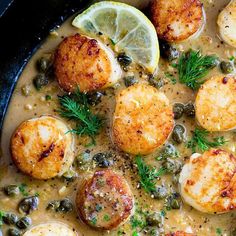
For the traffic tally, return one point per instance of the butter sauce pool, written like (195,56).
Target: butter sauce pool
(22,108)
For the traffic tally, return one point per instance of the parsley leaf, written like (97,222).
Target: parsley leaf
(200,141)
(148,174)
(192,67)
(75,107)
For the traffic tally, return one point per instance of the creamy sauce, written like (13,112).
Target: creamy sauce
(22,108)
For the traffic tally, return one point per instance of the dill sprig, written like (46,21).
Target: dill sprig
(148,174)
(75,107)
(192,67)
(200,141)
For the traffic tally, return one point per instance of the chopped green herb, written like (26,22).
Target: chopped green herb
(192,67)
(135,233)
(120,232)
(200,141)
(138,220)
(48,97)
(148,174)
(93,221)
(218,231)
(171,77)
(76,108)
(112,41)
(2,214)
(106,217)
(232,58)
(22,188)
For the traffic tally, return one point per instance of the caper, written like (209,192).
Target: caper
(24,222)
(156,82)
(43,64)
(169,151)
(130,80)
(10,218)
(178,134)
(11,190)
(160,192)
(53,205)
(175,204)
(124,60)
(175,179)
(94,98)
(29,204)
(40,81)
(102,159)
(154,219)
(13,232)
(226,67)
(189,109)
(178,110)
(65,206)
(168,51)
(172,166)
(172,201)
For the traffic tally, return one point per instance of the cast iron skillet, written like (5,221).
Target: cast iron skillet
(24,24)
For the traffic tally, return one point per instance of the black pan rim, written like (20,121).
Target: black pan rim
(13,64)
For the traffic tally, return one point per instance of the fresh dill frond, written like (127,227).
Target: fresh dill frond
(193,67)
(201,142)
(148,174)
(75,107)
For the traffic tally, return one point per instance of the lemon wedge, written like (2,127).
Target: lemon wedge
(127,27)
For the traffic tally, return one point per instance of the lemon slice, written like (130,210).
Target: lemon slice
(129,29)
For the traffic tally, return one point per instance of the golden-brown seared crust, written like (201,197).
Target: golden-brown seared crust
(216,104)
(105,201)
(208,181)
(180,233)
(41,148)
(143,119)
(80,62)
(176,20)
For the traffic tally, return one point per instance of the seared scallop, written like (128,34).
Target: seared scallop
(42,148)
(216,104)
(208,181)
(105,201)
(177,20)
(85,63)
(51,229)
(143,119)
(226,23)
(179,233)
